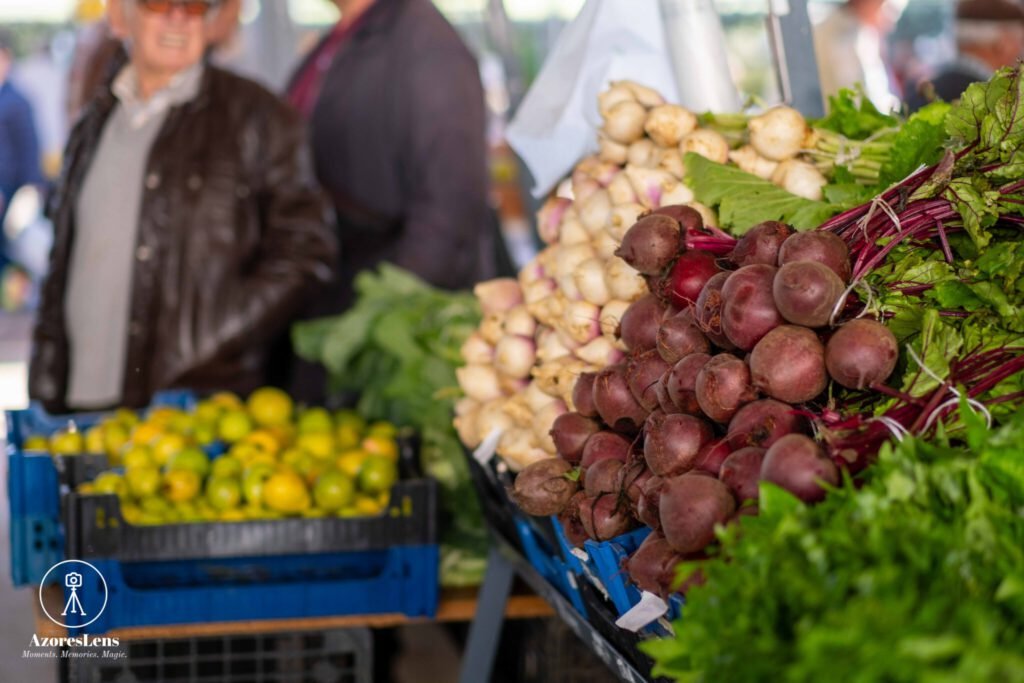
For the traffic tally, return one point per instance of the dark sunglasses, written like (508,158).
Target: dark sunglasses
(193,8)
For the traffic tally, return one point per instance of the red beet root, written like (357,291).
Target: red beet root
(789,364)
(861,353)
(648,506)
(615,402)
(605,446)
(543,488)
(583,394)
(712,456)
(640,323)
(690,508)
(723,386)
(672,443)
(708,311)
(681,383)
(603,477)
(689,218)
(643,370)
(651,244)
(680,336)
(570,433)
(748,308)
(741,472)
(571,523)
(824,247)
(762,423)
(806,293)
(796,463)
(689,274)
(761,244)
(653,566)
(605,517)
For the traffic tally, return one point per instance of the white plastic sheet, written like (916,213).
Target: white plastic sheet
(609,40)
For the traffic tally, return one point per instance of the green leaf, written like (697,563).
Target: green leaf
(953,294)
(346,337)
(920,141)
(977,206)
(776,501)
(744,200)
(853,115)
(937,344)
(847,194)
(963,123)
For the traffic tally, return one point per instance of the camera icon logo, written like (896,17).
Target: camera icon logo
(85,594)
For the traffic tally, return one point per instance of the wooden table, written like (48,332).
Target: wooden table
(454,605)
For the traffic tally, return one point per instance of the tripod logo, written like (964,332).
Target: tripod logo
(85,593)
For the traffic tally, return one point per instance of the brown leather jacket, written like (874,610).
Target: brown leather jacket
(232,236)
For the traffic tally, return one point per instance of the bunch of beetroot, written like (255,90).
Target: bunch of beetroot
(725,357)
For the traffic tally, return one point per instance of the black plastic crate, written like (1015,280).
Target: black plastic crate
(602,616)
(75,470)
(336,656)
(94,527)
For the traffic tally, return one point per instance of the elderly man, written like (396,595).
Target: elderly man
(989,35)
(188,225)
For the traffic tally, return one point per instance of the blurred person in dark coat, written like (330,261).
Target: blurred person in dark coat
(20,162)
(397,125)
(188,225)
(989,35)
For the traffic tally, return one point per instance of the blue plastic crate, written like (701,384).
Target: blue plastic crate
(33,491)
(606,562)
(35,420)
(549,563)
(400,579)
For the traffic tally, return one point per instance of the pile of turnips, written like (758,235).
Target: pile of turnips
(728,358)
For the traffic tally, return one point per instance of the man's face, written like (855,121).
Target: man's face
(5,64)
(161,42)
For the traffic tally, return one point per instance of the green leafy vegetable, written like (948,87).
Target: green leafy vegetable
(397,348)
(915,575)
(851,114)
(920,141)
(744,200)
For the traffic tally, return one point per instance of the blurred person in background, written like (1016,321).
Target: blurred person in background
(989,35)
(851,50)
(188,225)
(41,78)
(19,143)
(397,124)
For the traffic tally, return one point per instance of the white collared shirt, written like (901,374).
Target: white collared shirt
(182,88)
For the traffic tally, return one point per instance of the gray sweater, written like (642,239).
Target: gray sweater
(104,247)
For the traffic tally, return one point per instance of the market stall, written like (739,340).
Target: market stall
(759,359)
(752,412)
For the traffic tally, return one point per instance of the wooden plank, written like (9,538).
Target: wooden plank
(454,605)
